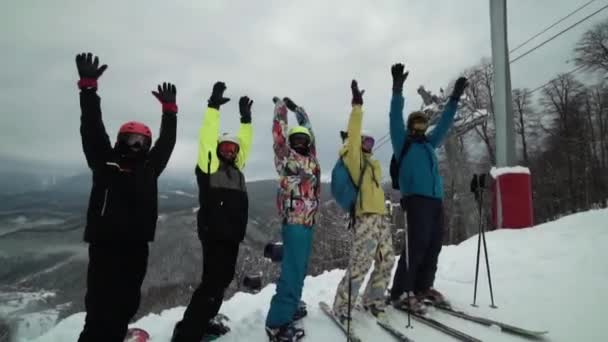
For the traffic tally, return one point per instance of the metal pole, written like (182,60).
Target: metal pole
(503,106)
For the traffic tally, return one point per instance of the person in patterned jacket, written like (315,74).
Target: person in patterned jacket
(298,198)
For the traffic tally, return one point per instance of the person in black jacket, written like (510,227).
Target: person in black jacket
(123,205)
(222,216)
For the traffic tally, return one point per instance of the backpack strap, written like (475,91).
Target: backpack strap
(366,165)
(404,149)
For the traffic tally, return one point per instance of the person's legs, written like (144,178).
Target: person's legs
(297,242)
(419,229)
(383,265)
(428,268)
(114,277)
(219,262)
(361,256)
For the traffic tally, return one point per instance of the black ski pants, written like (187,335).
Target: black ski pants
(114,277)
(425,237)
(219,263)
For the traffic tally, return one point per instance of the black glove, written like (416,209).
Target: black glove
(245,109)
(290,104)
(461,84)
(217,96)
(357,94)
(89,70)
(166,95)
(399,76)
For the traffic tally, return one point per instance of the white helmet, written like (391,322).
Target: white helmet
(365,133)
(229,138)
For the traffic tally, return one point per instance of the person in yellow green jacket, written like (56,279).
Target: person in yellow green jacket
(222,215)
(371,235)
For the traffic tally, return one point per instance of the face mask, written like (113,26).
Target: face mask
(300,143)
(132,146)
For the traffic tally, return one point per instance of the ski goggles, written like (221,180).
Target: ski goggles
(228,148)
(299,140)
(135,140)
(367,143)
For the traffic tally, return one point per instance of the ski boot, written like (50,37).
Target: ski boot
(409,303)
(286,333)
(375,311)
(215,328)
(433,297)
(301,312)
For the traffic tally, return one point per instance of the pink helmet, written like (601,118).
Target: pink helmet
(135,127)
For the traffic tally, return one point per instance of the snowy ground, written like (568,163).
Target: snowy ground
(551,277)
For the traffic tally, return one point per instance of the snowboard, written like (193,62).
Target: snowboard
(330,313)
(137,335)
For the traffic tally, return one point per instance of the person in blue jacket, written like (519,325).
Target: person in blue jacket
(421,191)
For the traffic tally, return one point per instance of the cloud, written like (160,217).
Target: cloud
(306,50)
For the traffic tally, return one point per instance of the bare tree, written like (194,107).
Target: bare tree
(526,122)
(592,50)
(479,98)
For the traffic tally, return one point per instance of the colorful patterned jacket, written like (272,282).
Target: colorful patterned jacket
(299,190)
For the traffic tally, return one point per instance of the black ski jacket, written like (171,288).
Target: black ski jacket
(123,205)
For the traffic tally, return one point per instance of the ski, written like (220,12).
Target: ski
(457,334)
(329,312)
(391,330)
(490,322)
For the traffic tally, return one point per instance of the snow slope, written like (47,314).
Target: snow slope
(551,277)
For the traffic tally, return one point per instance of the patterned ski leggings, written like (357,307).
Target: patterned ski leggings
(372,242)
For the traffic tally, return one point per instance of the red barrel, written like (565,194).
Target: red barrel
(512,199)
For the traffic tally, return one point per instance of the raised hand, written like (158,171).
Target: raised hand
(245,109)
(166,96)
(217,96)
(399,76)
(89,70)
(290,104)
(357,94)
(461,84)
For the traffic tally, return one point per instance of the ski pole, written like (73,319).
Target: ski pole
(350,278)
(485,252)
(407,265)
(478,199)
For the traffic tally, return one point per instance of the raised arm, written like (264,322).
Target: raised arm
(447,117)
(397,125)
(210,130)
(279,132)
(245,131)
(303,120)
(161,152)
(95,141)
(354,156)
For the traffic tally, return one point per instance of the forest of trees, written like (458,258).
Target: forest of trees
(561,135)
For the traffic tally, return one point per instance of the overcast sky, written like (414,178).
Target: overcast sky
(308,50)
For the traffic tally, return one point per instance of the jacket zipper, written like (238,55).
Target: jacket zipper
(105,201)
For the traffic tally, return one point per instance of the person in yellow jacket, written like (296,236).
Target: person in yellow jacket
(371,235)
(222,216)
